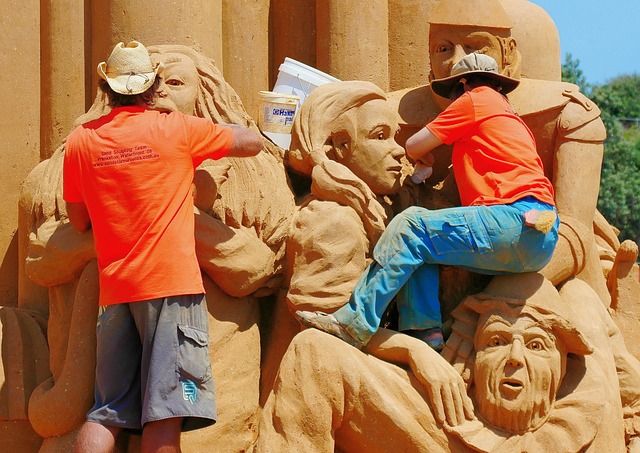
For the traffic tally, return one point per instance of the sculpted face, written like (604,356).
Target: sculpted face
(373,154)
(517,373)
(178,89)
(447,46)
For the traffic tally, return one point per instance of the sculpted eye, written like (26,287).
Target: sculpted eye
(442,48)
(495,341)
(381,136)
(536,345)
(174,82)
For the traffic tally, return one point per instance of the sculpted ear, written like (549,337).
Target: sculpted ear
(341,145)
(510,57)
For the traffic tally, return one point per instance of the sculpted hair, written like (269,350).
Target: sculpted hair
(327,111)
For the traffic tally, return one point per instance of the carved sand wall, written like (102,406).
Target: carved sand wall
(50,81)
(49,78)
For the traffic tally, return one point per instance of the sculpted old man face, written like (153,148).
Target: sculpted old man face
(518,370)
(460,27)
(522,338)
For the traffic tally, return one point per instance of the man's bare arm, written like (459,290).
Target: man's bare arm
(420,144)
(246,143)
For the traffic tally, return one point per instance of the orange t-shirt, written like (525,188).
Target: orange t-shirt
(494,153)
(134,168)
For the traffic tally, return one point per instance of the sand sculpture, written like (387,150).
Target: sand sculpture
(568,131)
(307,253)
(231,227)
(343,141)
(540,374)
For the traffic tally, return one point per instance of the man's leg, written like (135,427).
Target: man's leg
(96,438)
(162,436)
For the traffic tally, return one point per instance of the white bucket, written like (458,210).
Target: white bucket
(277,111)
(299,79)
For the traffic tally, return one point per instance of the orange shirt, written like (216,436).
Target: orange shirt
(494,159)
(134,168)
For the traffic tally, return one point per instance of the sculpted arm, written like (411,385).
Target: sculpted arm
(445,386)
(326,254)
(56,253)
(577,165)
(236,259)
(577,176)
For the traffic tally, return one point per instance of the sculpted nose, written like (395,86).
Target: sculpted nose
(516,353)
(458,54)
(162,89)
(398,152)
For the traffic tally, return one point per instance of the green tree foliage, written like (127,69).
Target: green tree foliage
(619,100)
(572,73)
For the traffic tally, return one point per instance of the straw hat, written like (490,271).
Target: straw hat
(129,69)
(474,63)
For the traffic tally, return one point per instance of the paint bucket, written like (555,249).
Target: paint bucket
(299,79)
(277,111)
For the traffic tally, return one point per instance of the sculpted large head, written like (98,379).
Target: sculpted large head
(353,124)
(461,27)
(192,84)
(522,339)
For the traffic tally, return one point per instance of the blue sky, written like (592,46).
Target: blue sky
(603,35)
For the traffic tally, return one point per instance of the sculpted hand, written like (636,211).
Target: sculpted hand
(447,390)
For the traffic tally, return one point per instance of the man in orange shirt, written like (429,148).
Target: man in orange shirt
(128,176)
(508,222)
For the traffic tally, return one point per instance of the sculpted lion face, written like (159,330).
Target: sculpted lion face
(178,90)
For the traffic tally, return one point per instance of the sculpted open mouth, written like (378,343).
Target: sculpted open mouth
(510,388)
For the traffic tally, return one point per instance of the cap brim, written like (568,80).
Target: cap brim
(443,87)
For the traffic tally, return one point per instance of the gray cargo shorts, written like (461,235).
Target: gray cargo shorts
(153,364)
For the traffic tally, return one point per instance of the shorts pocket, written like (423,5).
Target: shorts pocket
(193,354)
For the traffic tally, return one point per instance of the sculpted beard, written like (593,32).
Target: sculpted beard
(526,412)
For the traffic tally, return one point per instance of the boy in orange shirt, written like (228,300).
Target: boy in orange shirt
(507,224)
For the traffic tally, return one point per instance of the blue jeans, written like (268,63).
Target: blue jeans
(489,240)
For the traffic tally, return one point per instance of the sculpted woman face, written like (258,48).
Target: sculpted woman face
(370,150)
(351,123)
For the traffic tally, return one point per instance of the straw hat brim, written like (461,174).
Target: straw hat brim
(128,84)
(443,87)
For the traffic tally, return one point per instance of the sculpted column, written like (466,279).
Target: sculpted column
(409,42)
(245,31)
(353,40)
(19,126)
(193,23)
(292,33)
(63,70)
